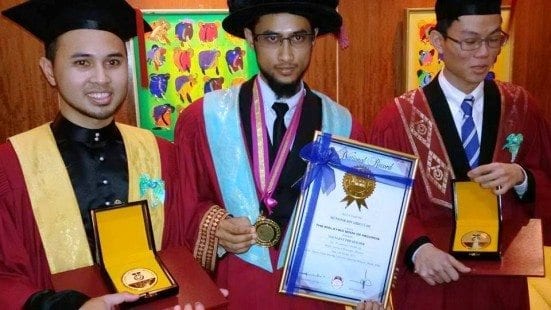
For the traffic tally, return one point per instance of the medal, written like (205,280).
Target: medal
(475,240)
(357,188)
(139,279)
(267,232)
(266,176)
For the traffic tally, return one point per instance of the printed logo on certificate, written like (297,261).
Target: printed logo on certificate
(345,234)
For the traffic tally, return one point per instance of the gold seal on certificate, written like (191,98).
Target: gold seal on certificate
(139,279)
(267,232)
(475,240)
(357,188)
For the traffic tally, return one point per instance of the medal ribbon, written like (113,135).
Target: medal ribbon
(266,178)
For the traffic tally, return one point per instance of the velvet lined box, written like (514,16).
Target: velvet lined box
(477,214)
(125,252)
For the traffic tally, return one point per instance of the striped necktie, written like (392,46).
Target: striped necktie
(469,136)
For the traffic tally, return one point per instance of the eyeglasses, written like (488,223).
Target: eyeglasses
(471,44)
(298,40)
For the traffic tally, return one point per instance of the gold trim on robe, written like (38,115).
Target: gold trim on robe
(206,246)
(427,144)
(52,197)
(142,153)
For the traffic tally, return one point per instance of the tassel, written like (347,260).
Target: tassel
(141,49)
(513,7)
(342,38)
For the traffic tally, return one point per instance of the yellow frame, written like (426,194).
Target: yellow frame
(418,21)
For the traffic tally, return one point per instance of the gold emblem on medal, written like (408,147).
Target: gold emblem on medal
(267,232)
(476,240)
(357,188)
(139,279)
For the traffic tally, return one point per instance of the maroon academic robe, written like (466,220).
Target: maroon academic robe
(250,287)
(419,122)
(23,264)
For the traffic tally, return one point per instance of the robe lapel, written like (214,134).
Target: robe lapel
(446,127)
(245,102)
(491,117)
(310,121)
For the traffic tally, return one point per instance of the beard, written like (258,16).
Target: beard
(282,90)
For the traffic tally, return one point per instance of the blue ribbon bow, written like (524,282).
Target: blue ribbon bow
(323,159)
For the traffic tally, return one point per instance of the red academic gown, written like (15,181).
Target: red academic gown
(23,265)
(250,287)
(421,117)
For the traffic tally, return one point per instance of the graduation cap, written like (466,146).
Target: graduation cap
(452,9)
(48,19)
(322,13)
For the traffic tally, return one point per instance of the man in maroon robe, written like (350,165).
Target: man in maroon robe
(82,155)
(511,157)
(219,139)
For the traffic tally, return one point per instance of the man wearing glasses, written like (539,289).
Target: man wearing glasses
(235,144)
(465,126)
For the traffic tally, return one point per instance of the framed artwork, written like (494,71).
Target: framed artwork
(423,61)
(188,54)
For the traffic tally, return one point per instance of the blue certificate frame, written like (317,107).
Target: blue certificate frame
(346,231)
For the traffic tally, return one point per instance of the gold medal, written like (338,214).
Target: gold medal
(267,232)
(139,279)
(475,240)
(357,188)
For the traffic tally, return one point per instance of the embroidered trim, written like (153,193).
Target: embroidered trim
(424,137)
(207,243)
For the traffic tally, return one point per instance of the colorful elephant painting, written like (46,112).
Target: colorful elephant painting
(426,57)
(182,59)
(208,32)
(158,84)
(160,32)
(162,117)
(212,84)
(184,30)
(209,59)
(184,85)
(423,77)
(156,56)
(234,59)
(424,30)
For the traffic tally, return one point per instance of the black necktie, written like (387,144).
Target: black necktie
(279,125)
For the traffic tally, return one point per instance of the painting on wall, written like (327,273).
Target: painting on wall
(187,54)
(423,62)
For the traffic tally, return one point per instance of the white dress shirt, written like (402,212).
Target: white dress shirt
(269,97)
(455,97)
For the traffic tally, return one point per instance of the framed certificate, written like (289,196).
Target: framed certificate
(346,231)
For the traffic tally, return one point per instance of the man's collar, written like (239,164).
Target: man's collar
(63,128)
(453,94)
(269,97)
